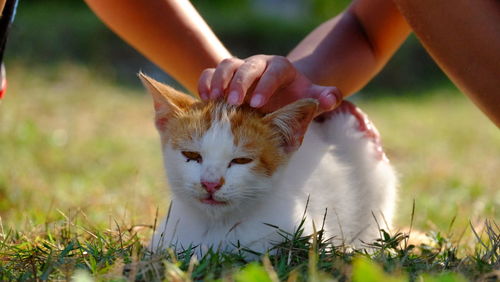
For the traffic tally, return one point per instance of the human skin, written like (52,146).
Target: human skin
(169,33)
(347,51)
(2,4)
(174,36)
(462,36)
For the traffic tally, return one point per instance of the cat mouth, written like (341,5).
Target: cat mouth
(211,201)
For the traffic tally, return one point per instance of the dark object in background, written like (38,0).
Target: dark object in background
(6,19)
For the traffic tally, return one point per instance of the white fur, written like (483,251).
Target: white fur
(336,168)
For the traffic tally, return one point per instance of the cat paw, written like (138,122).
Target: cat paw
(364,125)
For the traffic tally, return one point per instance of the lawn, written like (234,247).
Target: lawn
(80,162)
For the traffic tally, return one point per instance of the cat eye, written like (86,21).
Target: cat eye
(192,156)
(241,161)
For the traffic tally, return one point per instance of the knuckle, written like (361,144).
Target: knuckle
(236,83)
(216,80)
(207,72)
(257,57)
(250,66)
(220,73)
(229,61)
(226,61)
(280,60)
(238,78)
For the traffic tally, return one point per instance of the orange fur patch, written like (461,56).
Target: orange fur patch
(188,125)
(186,120)
(258,138)
(253,135)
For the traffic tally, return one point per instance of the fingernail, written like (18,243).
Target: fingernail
(215,93)
(233,98)
(204,96)
(329,100)
(256,100)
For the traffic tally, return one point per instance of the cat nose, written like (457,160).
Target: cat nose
(211,187)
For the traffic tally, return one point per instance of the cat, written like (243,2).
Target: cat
(236,174)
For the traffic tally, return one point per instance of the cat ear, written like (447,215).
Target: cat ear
(292,121)
(167,101)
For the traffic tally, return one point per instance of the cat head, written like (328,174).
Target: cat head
(221,158)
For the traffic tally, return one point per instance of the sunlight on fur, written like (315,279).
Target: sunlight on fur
(234,173)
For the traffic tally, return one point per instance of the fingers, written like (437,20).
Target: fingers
(279,73)
(329,97)
(204,83)
(244,78)
(273,77)
(235,77)
(222,76)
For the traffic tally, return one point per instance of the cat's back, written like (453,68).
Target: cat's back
(341,168)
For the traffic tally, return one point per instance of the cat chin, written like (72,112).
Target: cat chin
(211,206)
(219,211)
(212,202)
(339,168)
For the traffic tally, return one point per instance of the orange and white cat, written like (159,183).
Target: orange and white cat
(234,173)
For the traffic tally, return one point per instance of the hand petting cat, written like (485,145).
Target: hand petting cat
(264,82)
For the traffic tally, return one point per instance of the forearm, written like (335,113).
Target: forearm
(170,33)
(336,53)
(463,37)
(2,4)
(350,49)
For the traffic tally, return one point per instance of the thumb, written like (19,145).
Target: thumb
(329,97)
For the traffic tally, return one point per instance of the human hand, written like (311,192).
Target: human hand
(264,82)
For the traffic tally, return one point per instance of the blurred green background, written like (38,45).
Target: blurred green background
(47,32)
(76,132)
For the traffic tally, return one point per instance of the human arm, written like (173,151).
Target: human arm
(463,37)
(346,51)
(170,33)
(2,4)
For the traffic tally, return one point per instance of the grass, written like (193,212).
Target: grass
(70,251)
(81,183)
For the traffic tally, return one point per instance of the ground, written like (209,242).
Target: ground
(77,147)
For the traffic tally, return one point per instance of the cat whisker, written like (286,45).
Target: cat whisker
(261,166)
